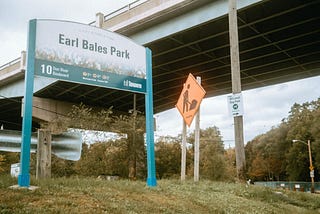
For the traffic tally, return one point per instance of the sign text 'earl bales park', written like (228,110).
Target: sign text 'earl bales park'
(89,55)
(86,45)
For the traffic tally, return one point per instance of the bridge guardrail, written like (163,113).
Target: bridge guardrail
(122,10)
(9,63)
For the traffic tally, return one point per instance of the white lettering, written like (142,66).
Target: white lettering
(134,85)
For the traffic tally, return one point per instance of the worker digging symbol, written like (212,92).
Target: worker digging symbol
(186,101)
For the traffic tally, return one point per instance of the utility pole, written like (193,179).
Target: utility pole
(236,87)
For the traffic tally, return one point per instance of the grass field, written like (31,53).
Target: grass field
(90,195)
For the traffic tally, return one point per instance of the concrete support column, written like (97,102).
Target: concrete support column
(99,20)
(23,60)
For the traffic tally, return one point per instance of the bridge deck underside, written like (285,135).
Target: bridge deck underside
(279,41)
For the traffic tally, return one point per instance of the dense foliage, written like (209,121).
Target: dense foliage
(215,163)
(126,156)
(270,156)
(274,156)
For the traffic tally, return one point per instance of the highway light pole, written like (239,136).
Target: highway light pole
(310,159)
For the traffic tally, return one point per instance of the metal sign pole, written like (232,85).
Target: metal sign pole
(183,151)
(197,141)
(43,65)
(151,180)
(24,176)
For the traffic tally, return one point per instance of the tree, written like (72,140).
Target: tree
(8,158)
(212,160)
(302,122)
(92,162)
(133,126)
(274,156)
(116,158)
(61,167)
(266,154)
(2,161)
(168,157)
(231,171)
(315,132)
(259,169)
(297,163)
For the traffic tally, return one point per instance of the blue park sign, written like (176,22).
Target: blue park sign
(89,55)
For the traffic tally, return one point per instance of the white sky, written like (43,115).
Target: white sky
(263,107)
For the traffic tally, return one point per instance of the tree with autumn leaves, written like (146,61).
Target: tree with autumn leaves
(274,156)
(126,156)
(270,156)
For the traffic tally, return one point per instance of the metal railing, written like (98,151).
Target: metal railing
(122,10)
(67,145)
(290,185)
(10,63)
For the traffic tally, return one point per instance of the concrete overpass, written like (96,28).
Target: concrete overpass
(279,41)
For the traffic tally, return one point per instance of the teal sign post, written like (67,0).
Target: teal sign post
(24,176)
(85,54)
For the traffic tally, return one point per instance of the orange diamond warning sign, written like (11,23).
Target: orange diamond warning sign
(190,99)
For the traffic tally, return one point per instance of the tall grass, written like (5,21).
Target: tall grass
(90,195)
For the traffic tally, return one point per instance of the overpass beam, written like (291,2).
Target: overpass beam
(46,110)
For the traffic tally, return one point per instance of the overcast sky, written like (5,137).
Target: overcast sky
(263,107)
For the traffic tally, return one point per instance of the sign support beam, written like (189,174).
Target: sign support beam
(197,141)
(183,151)
(24,176)
(236,87)
(151,179)
(46,43)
